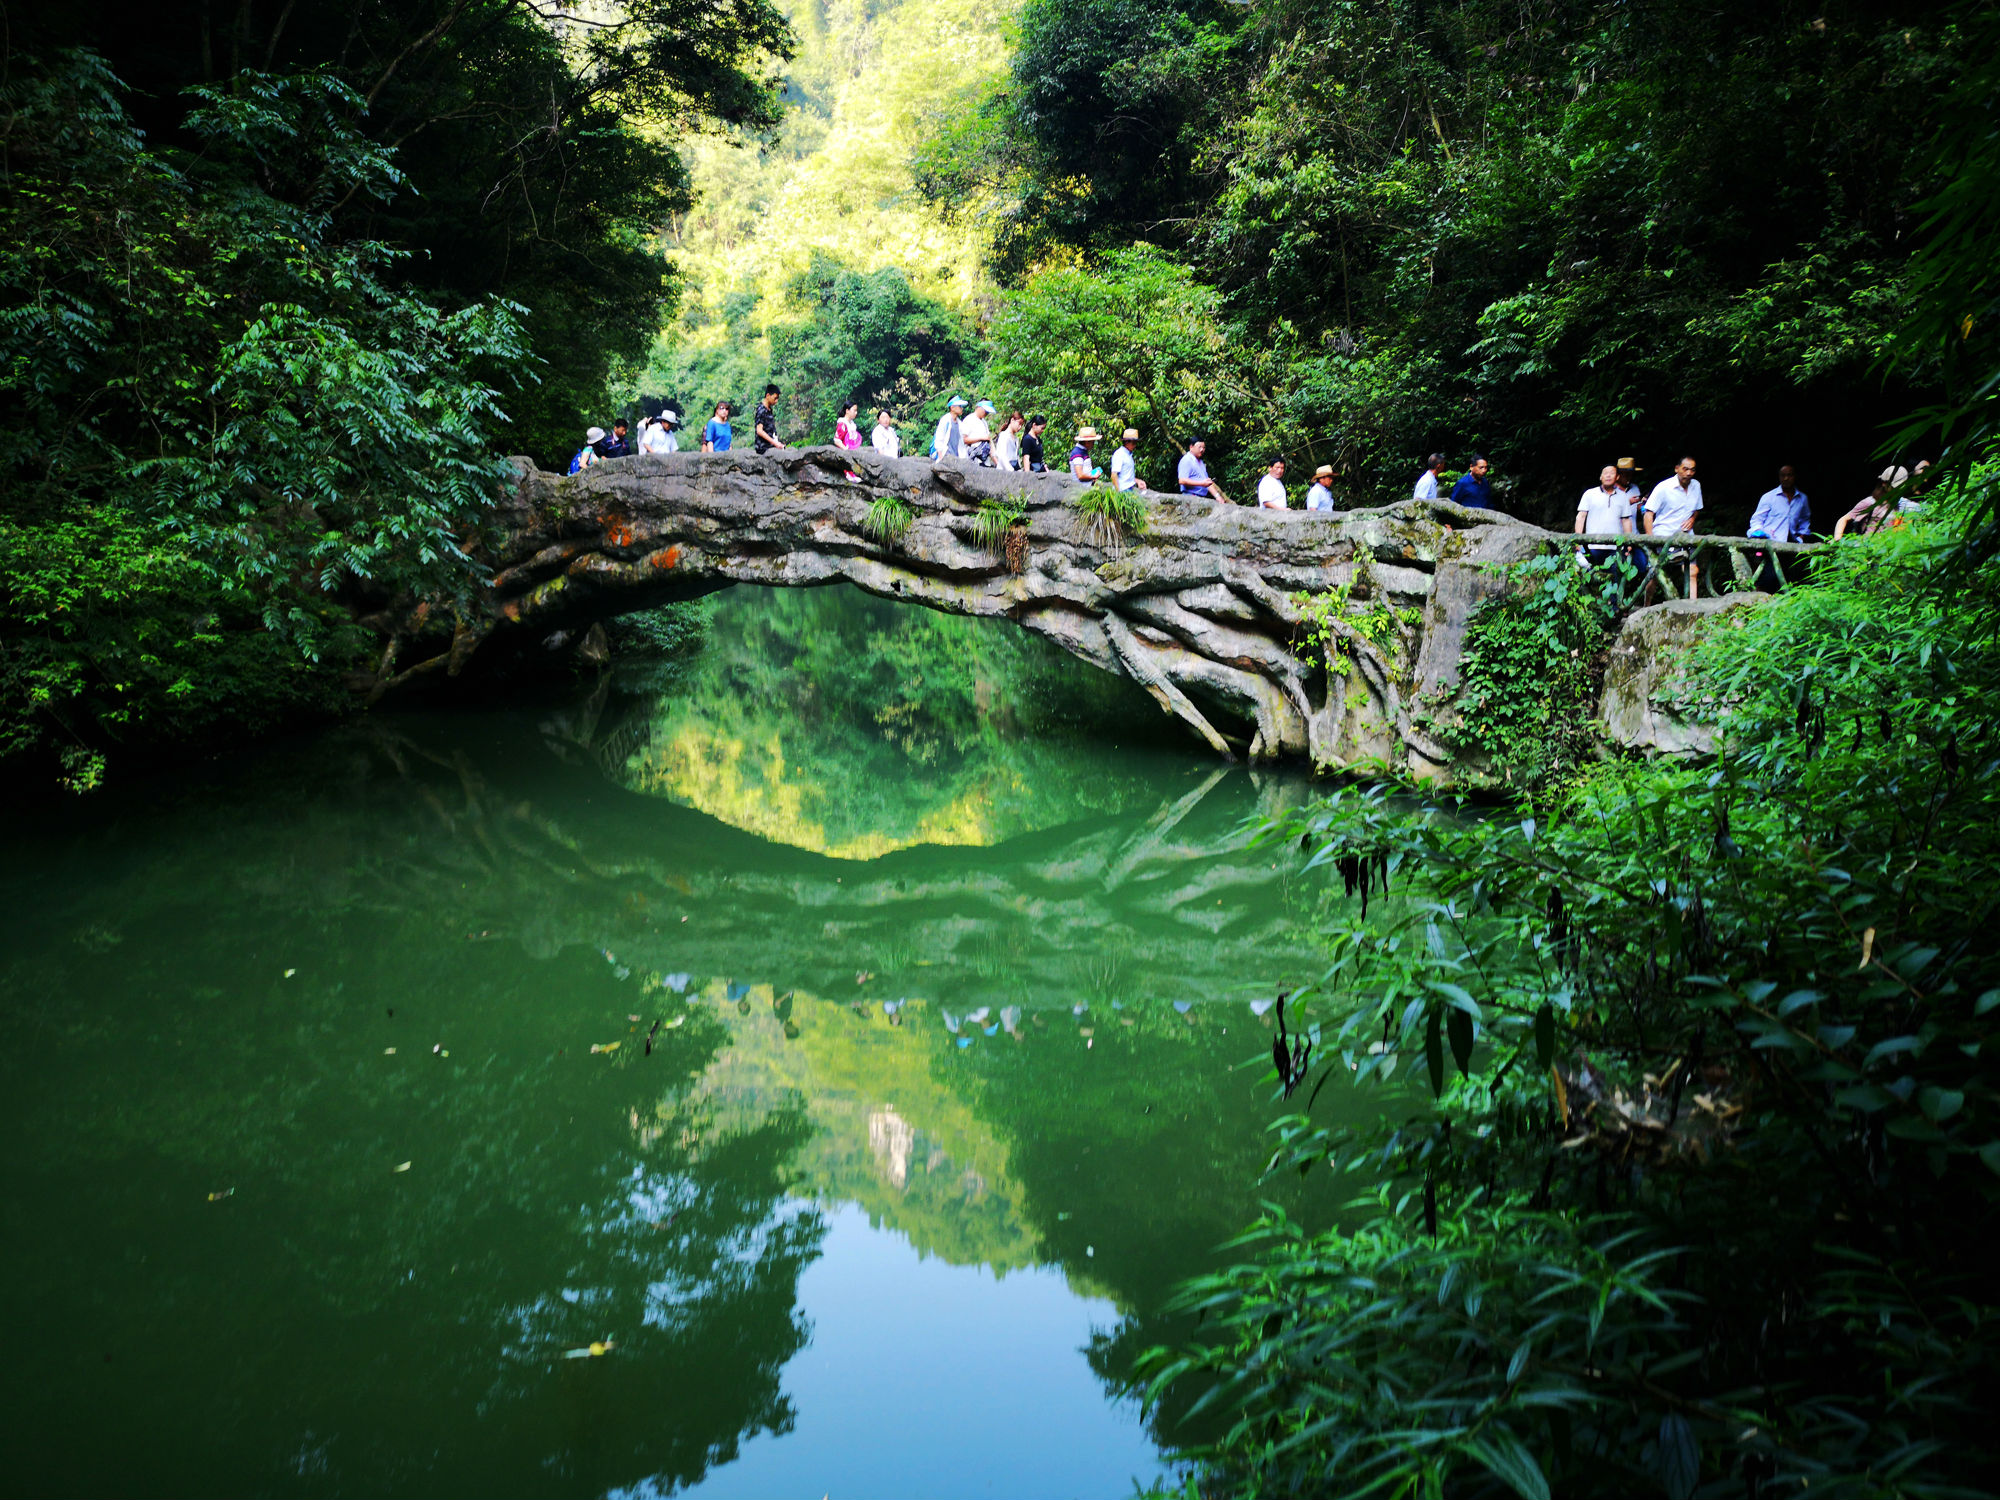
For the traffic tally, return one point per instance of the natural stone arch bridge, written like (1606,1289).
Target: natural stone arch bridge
(1199,609)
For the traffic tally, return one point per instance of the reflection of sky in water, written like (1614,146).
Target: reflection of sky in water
(986,1372)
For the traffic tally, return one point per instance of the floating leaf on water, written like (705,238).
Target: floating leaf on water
(950,1021)
(401,1167)
(605,1046)
(678,983)
(1184,1006)
(978,1017)
(225,1193)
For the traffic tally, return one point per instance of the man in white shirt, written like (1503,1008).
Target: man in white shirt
(657,436)
(1271,488)
(1427,482)
(886,442)
(1670,511)
(1125,464)
(1603,511)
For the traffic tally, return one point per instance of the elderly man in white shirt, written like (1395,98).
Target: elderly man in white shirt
(1670,511)
(1125,464)
(1427,482)
(1271,488)
(1603,512)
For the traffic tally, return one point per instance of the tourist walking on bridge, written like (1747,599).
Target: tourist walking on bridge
(1670,511)
(717,435)
(587,454)
(1007,446)
(1427,482)
(1125,464)
(766,429)
(1603,511)
(945,442)
(886,442)
(656,434)
(847,429)
(1473,490)
(1873,513)
(1192,473)
(1784,515)
(1033,458)
(1080,466)
(1271,488)
(977,436)
(1319,495)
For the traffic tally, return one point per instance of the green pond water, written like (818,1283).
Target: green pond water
(339,1163)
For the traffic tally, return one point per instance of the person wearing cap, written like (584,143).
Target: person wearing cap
(886,442)
(1125,464)
(1033,458)
(1319,494)
(1192,473)
(1271,488)
(946,441)
(1427,482)
(717,435)
(1602,511)
(1474,490)
(1670,511)
(1080,466)
(1873,513)
(977,436)
(656,434)
(587,454)
(766,418)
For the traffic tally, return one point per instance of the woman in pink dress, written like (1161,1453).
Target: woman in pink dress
(847,433)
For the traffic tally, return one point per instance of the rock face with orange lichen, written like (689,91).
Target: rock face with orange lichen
(1201,606)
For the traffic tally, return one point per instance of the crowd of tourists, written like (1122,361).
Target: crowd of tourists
(974,433)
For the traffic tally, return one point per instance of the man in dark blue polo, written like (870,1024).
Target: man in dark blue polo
(1473,490)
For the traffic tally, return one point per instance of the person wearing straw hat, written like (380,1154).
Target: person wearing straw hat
(1271,488)
(1319,495)
(1125,465)
(1080,466)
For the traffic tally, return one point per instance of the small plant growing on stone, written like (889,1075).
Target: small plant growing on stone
(889,516)
(1112,514)
(996,514)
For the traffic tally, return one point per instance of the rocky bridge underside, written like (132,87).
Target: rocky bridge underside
(1202,608)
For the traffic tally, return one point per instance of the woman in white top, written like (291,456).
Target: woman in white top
(1007,446)
(886,442)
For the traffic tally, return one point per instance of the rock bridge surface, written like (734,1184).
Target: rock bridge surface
(1201,608)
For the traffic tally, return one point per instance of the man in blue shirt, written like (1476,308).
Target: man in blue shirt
(1193,473)
(1784,515)
(1473,491)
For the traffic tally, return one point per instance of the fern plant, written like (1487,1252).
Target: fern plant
(996,513)
(889,516)
(1113,514)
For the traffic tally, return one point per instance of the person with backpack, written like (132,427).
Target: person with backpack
(587,454)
